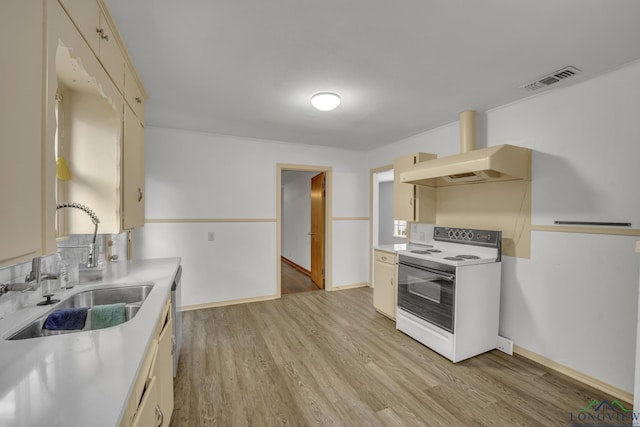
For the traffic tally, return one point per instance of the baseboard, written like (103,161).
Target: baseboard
(576,375)
(300,268)
(345,287)
(225,303)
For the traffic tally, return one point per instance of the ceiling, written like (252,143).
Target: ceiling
(248,67)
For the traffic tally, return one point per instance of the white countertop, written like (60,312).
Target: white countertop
(392,248)
(85,378)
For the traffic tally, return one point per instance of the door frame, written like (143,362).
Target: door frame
(373,213)
(328,220)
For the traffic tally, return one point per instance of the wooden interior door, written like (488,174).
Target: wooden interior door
(317,229)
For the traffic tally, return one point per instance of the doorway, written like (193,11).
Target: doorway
(303,228)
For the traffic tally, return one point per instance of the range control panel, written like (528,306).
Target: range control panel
(468,236)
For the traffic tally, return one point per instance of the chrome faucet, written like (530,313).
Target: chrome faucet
(93,257)
(31,281)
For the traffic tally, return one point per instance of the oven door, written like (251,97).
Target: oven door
(426,293)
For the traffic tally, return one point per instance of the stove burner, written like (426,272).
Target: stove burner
(454,258)
(468,256)
(425,251)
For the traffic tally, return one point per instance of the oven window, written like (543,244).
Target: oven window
(426,290)
(427,296)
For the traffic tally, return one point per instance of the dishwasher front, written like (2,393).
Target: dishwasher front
(176,301)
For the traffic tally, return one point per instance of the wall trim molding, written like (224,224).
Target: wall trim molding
(576,375)
(350,218)
(345,287)
(204,220)
(226,303)
(588,230)
(298,267)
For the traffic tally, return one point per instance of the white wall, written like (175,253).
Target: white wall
(385,215)
(296,217)
(575,301)
(192,175)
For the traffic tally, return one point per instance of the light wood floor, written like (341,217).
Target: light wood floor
(328,359)
(294,281)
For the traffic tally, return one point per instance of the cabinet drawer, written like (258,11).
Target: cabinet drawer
(385,257)
(133,94)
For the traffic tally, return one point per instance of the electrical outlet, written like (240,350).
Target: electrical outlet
(505,345)
(211,236)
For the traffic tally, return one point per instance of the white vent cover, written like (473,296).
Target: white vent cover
(552,78)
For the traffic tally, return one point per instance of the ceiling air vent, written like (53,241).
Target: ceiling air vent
(552,78)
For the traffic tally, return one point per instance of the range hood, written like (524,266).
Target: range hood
(497,163)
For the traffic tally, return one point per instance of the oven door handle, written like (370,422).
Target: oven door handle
(449,277)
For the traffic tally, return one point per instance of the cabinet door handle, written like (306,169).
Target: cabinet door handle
(391,281)
(138,100)
(410,201)
(159,416)
(103,36)
(384,258)
(139,194)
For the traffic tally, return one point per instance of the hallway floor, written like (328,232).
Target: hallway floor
(294,281)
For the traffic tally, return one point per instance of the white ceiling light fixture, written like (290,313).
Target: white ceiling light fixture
(325,101)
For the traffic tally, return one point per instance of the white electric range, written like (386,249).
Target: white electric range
(449,290)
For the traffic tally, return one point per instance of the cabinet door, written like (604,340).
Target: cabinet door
(384,288)
(110,54)
(85,14)
(149,414)
(407,205)
(163,371)
(21,86)
(133,94)
(133,171)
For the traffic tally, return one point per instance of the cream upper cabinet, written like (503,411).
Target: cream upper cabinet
(96,30)
(89,128)
(133,94)
(110,53)
(101,134)
(413,203)
(385,283)
(21,98)
(133,177)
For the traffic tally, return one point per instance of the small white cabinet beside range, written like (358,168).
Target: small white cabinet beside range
(385,276)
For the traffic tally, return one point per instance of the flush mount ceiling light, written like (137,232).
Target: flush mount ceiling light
(325,101)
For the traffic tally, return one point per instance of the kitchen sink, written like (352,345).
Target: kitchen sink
(132,296)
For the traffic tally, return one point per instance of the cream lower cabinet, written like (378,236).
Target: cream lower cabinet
(151,403)
(385,283)
(413,203)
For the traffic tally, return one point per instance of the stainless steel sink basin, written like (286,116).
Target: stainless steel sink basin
(127,295)
(132,296)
